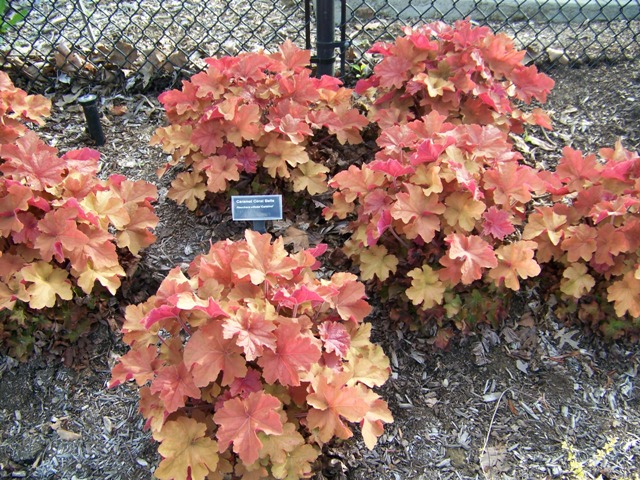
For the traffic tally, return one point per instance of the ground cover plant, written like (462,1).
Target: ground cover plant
(258,353)
(62,228)
(440,211)
(254,114)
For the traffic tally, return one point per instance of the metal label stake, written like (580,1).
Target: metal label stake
(257,209)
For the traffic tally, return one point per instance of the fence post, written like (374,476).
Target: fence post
(325,43)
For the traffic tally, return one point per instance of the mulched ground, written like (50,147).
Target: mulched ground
(511,404)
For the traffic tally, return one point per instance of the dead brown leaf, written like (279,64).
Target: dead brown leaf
(118,110)
(67,435)
(296,237)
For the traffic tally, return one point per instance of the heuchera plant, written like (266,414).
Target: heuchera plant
(251,113)
(60,225)
(250,363)
(463,72)
(591,231)
(436,209)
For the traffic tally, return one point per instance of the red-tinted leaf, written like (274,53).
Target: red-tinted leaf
(294,353)
(475,253)
(240,420)
(29,159)
(252,331)
(174,384)
(335,337)
(497,223)
(207,353)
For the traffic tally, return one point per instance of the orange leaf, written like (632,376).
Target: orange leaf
(136,234)
(544,220)
(109,208)
(281,153)
(419,212)
(579,242)
(47,282)
(377,415)
(294,353)
(188,188)
(15,200)
(240,420)
(139,365)
(174,384)
(331,403)
(625,293)
(265,261)
(174,139)
(515,261)
(187,451)
(59,234)
(253,332)
(219,170)
(463,210)
(208,353)
(474,253)
(350,301)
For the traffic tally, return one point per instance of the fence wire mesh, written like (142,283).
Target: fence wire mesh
(134,43)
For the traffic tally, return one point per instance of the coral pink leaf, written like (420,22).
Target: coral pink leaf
(30,159)
(350,301)
(428,151)
(59,234)
(497,223)
(208,353)
(391,167)
(252,330)
(240,420)
(139,365)
(475,253)
(335,337)
(84,160)
(299,296)
(161,313)
(174,384)
(295,353)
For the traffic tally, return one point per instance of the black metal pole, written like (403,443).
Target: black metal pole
(325,41)
(89,104)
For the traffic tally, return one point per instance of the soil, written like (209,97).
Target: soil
(517,403)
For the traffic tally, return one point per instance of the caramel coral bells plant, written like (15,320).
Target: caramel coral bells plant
(250,363)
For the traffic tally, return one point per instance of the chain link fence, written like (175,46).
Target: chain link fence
(138,44)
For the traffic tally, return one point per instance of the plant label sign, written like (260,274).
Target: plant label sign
(257,209)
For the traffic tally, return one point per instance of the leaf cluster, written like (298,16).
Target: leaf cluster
(249,362)
(447,206)
(61,228)
(251,114)
(590,231)
(437,210)
(466,73)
